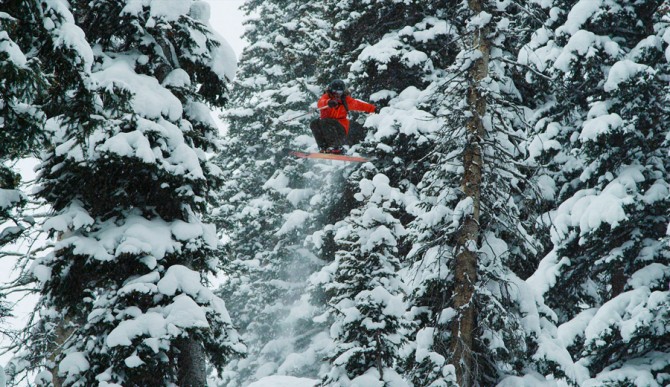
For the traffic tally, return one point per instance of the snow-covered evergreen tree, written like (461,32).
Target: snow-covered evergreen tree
(389,51)
(21,119)
(603,139)
(21,122)
(474,311)
(365,291)
(123,296)
(269,200)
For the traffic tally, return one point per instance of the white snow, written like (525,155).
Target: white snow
(42,273)
(284,381)
(530,379)
(73,363)
(424,343)
(372,378)
(131,144)
(293,221)
(136,236)
(547,187)
(133,361)
(150,323)
(569,331)
(601,125)
(651,275)
(429,29)
(170,10)
(579,14)
(480,20)
(622,71)
(550,349)
(223,59)
(72,37)
(9,197)
(185,313)
(151,100)
(72,218)
(404,116)
(584,43)
(657,192)
(177,78)
(588,209)
(180,278)
(13,51)
(626,313)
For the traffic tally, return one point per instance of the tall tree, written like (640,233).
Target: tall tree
(609,263)
(472,237)
(366,293)
(467,238)
(389,51)
(22,86)
(270,202)
(123,296)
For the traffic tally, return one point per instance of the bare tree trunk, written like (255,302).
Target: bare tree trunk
(465,276)
(380,366)
(191,363)
(63,331)
(618,280)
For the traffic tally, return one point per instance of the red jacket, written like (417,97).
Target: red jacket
(340,113)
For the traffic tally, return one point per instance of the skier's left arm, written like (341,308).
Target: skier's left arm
(359,106)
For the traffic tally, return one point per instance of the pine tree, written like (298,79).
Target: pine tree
(22,85)
(391,51)
(367,295)
(472,237)
(270,201)
(609,137)
(123,299)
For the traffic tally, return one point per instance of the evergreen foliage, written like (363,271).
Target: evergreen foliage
(22,86)
(123,296)
(605,148)
(269,203)
(506,319)
(365,292)
(511,228)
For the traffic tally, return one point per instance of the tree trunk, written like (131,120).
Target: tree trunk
(191,363)
(465,268)
(63,331)
(618,280)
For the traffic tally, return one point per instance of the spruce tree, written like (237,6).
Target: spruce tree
(608,293)
(270,201)
(366,292)
(472,237)
(22,86)
(388,51)
(123,297)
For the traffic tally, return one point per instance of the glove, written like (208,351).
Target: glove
(377,109)
(332,103)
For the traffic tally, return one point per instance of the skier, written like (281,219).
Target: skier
(333,130)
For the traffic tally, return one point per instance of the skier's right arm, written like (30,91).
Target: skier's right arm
(323,102)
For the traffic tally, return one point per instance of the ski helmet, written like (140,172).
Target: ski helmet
(337,86)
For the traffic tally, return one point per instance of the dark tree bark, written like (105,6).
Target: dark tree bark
(192,363)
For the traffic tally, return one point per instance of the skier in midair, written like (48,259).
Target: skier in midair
(333,130)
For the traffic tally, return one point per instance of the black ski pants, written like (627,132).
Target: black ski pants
(329,133)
